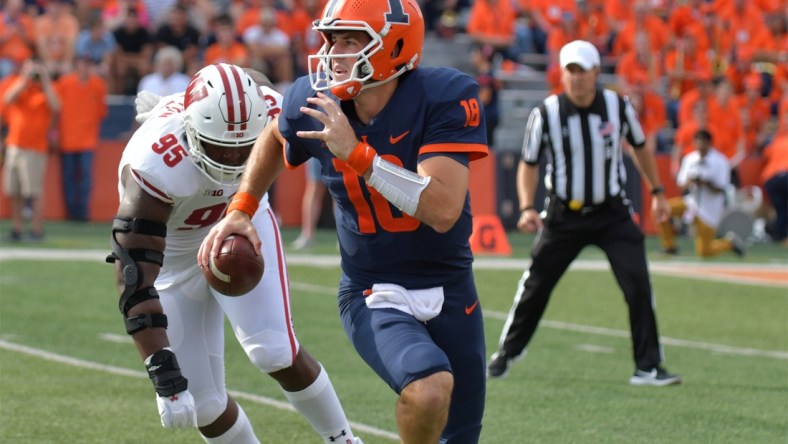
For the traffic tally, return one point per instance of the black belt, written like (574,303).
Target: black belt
(577,207)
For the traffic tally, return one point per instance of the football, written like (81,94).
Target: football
(237,269)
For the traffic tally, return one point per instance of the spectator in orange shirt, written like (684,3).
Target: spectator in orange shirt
(543,16)
(724,112)
(775,181)
(491,23)
(596,27)
(640,64)
(684,65)
(115,12)
(704,90)
(16,38)
(83,106)
(618,12)
(743,21)
(306,41)
(553,77)
(651,111)
(269,48)
(549,13)
(568,30)
(715,39)
(755,114)
(28,104)
(685,15)
(770,45)
(683,137)
(251,15)
(226,48)
(642,21)
(56,35)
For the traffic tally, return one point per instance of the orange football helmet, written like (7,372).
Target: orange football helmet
(396,28)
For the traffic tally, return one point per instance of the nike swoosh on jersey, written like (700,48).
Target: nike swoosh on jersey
(393,140)
(469,310)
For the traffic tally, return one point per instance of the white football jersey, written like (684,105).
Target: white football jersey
(702,202)
(158,156)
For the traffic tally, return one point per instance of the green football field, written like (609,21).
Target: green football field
(69,373)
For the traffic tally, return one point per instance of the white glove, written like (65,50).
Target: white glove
(144,104)
(177,411)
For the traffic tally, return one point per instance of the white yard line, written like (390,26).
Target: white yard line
(120,371)
(483,263)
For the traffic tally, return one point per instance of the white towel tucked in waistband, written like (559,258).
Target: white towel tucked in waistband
(422,304)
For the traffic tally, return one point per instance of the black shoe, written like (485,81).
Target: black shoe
(14,236)
(737,245)
(673,251)
(36,236)
(657,376)
(498,367)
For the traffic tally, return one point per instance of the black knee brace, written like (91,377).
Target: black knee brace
(132,274)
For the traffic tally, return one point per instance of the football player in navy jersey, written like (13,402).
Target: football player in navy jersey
(394,143)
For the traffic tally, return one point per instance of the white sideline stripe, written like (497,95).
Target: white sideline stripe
(120,371)
(672,268)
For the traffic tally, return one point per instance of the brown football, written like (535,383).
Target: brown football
(237,269)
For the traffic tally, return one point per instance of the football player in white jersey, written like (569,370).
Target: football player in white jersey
(177,175)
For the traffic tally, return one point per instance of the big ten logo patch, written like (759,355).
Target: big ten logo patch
(488,236)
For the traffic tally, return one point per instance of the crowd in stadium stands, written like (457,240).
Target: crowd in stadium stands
(721,65)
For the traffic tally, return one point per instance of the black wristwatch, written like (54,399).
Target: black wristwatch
(657,190)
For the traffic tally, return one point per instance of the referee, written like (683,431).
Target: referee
(581,132)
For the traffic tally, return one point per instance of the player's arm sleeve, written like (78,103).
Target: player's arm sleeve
(535,136)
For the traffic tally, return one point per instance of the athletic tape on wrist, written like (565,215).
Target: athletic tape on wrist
(243,202)
(399,186)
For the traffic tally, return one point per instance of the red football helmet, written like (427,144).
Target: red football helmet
(396,28)
(224,107)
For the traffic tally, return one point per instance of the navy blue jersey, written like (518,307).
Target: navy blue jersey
(434,111)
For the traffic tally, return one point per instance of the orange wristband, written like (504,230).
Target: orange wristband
(243,202)
(361,158)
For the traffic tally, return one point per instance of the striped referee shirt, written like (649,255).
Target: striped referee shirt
(583,145)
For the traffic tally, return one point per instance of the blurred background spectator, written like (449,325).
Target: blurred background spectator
(132,57)
(56,33)
(98,44)
(166,77)
(28,105)
(481,57)
(775,181)
(270,48)
(226,48)
(178,32)
(16,38)
(83,106)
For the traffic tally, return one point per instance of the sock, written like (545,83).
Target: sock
(320,405)
(240,433)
